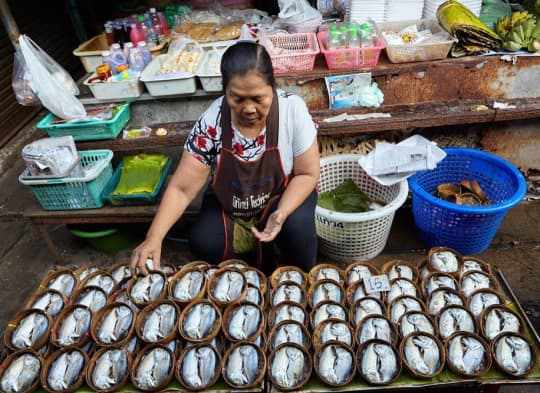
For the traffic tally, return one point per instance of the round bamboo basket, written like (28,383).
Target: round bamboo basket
(401,326)
(325,310)
(53,292)
(6,363)
(274,337)
(354,318)
(498,308)
(66,288)
(274,316)
(57,327)
(101,279)
(214,374)
(201,265)
(323,334)
(389,296)
(331,345)
(429,283)
(357,270)
(433,308)
(493,284)
(281,274)
(177,278)
(100,316)
(82,291)
(228,364)
(439,321)
(120,271)
(49,362)
(486,359)
(431,266)
(484,266)
(471,300)
(326,271)
(140,356)
(395,305)
(234,263)
(359,361)
(143,315)
(214,330)
(256,278)
(14,324)
(276,357)
(92,364)
(357,291)
(231,311)
(391,269)
(153,274)
(213,281)
(288,292)
(500,363)
(338,294)
(392,333)
(411,367)
(85,270)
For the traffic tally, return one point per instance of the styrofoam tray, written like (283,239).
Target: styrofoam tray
(165,85)
(128,88)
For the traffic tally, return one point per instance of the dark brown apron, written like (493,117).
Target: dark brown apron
(246,189)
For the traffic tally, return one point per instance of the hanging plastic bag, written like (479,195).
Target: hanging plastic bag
(50,82)
(297,16)
(20,81)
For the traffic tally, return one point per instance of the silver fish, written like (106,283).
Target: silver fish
(123,297)
(400,287)
(358,273)
(291,275)
(474,280)
(480,300)
(189,286)
(498,320)
(102,280)
(252,277)
(338,331)
(74,326)
(514,354)
(63,283)
(359,292)
(199,321)
(415,321)
(379,363)
(131,345)
(21,374)
(94,298)
(375,327)
(200,366)
(326,291)
(159,323)
(115,324)
(287,367)
(229,286)
(289,312)
(466,354)
(455,319)
(403,304)
(327,310)
(242,365)
(444,261)
(65,370)
(210,272)
(399,270)
(422,354)
(437,281)
(469,264)
(121,273)
(29,330)
(328,273)
(51,302)
(254,295)
(441,298)
(153,368)
(288,332)
(335,364)
(244,321)
(288,293)
(365,307)
(110,369)
(86,272)
(147,288)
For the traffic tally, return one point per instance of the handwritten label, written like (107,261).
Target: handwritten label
(377,283)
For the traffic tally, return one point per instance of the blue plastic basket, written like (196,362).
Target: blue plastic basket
(467,229)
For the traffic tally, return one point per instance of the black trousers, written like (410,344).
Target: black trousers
(296,244)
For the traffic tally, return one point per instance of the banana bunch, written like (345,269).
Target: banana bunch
(519,31)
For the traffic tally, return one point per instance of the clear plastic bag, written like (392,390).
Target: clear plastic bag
(20,81)
(298,16)
(50,82)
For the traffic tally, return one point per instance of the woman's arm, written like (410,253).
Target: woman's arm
(306,170)
(187,181)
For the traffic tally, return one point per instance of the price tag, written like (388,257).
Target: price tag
(377,284)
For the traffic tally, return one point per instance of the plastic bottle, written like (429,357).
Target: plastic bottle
(152,37)
(156,22)
(334,41)
(147,55)
(109,33)
(136,34)
(344,37)
(354,37)
(136,60)
(127,48)
(106,58)
(118,56)
(331,28)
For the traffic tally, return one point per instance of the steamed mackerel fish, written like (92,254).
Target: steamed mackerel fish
(121,273)
(288,332)
(335,364)
(229,286)
(103,281)
(189,286)
(110,369)
(253,295)
(326,291)
(467,354)
(379,363)
(86,272)
(63,283)
(65,370)
(287,366)
(288,292)
(444,261)
(328,273)
(442,298)
(153,368)
(20,374)
(375,327)
(29,330)
(199,366)
(437,281)
(455,319)
(115,325)
(338,331)
(159,323)
(514,354)
(243,365)
(147,288)
(199,321)
(94,298)
(50,302)
(422,354)
(475,280)
(481,300)
(74,326)
(402,305)
(415,321)
(291,275)
(365,307)
(401,271)
(244,321)
(289,312)
(358,273)
(499,320)
(252,277)
(400,287)
(324,311)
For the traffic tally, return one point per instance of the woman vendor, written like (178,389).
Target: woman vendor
(258,145)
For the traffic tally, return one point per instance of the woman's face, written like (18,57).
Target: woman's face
(249,97)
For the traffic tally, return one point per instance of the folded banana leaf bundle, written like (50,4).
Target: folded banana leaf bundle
(347,197)
(474,36)
(140,173)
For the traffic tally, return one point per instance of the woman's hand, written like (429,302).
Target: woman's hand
(148,249)
(273,227)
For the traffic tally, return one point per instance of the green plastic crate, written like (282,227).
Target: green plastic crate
(72,193)
(88,130)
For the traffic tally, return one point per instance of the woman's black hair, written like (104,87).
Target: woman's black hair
(245,56)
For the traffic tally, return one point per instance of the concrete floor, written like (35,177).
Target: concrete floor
(25,260)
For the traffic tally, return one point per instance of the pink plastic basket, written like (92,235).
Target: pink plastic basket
(292,52)
(350,57)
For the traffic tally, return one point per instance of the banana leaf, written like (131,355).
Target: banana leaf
(140,174)
(474,35)
(345,198)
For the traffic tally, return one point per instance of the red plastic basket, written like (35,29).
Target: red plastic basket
(367,56)
(297,52)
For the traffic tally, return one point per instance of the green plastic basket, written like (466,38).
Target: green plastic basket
(72,193)
(88,130)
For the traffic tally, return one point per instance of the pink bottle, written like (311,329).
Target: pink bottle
(164,26)
(136,35)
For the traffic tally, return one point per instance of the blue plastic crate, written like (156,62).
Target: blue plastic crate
(71,193)
(88,130)
(133,199)
(467,229)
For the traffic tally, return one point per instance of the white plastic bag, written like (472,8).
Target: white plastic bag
(50,82)
(297,16)
(20,82)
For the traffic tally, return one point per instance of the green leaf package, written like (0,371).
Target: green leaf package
(345,198)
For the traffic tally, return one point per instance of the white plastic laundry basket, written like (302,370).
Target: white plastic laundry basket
(350,237)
